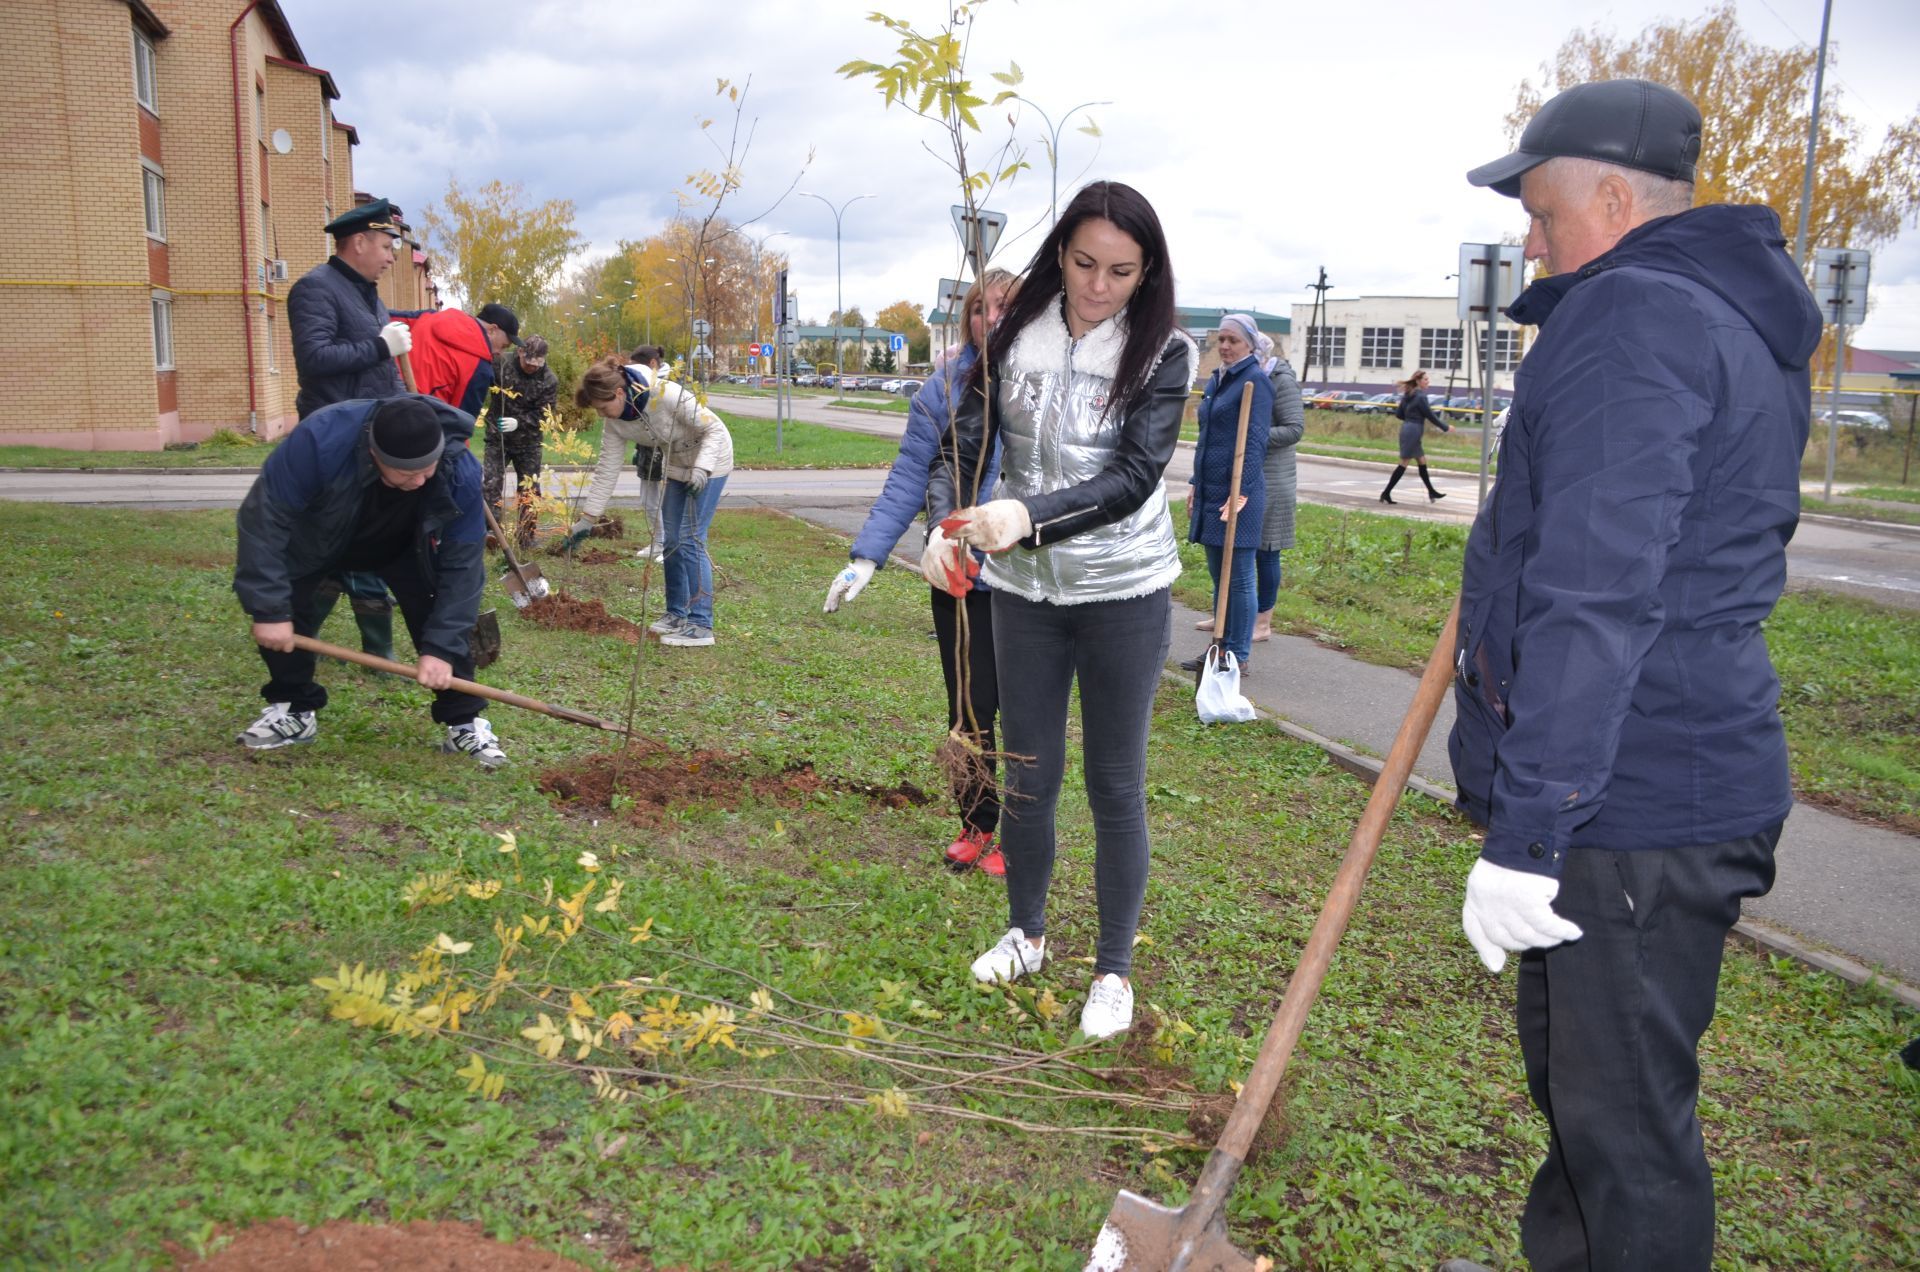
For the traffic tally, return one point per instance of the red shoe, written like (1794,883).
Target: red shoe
(968,848)
(991,862)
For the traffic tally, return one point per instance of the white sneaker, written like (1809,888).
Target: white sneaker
(666,624)
(1109,1007)
(655,554)
(689,635)
(1011,959)
(476,739)
(278,727)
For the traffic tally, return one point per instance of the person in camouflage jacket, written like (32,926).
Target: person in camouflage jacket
(525,390)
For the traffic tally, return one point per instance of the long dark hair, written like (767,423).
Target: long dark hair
(1150,312)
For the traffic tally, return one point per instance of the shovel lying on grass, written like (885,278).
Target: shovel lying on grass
(464,686)
(1141,1235)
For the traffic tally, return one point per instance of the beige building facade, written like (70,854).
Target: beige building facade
(1372,341)
(177,160)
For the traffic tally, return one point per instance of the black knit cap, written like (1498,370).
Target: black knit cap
(406,433)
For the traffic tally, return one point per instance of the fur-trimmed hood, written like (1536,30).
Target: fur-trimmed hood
(1045,346)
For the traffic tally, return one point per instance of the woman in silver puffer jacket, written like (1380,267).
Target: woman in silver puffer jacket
(1083,384)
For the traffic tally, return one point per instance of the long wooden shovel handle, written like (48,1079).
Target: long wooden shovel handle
(1233,517)
(1209,1193)
(464,686)
(405,362)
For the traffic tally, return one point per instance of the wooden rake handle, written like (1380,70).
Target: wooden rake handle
(1233,516)
(525,703)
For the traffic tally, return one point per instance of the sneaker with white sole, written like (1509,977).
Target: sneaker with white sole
(476,739)
(689,635)
(667,625)
(1011,959)
(1109,1008)
(277,727)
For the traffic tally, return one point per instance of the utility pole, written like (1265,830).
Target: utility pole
(1316,325)
(1813,141)
(839,302)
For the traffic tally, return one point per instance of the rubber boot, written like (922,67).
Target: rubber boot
(376,633)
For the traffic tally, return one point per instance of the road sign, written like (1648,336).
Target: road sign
(701,351)
(897,343)
(1840,284)
(790,337)
(780,299)
(1509,260)
(978,229)
(953,294)
(702,328)
(753,351)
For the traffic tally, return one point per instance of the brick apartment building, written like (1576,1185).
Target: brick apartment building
(168,165)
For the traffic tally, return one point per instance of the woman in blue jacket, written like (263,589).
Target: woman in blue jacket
(902,499)
(1208,494)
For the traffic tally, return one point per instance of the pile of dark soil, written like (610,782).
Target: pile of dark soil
(609,528)
(659,781)
(600,556)
(570,613)
(281,1245)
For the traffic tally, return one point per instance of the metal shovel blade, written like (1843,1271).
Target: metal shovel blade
(517,591)
(484,640)
(1141,1235)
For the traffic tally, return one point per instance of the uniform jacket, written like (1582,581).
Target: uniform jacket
(452,358)
(670,419)
(1091,480)
(523,398)
(334,317)
(1612,685)
(1213,456)
(1283,480)
(904,496)
(299,518)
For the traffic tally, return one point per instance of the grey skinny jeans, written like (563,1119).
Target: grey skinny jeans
(1116,649)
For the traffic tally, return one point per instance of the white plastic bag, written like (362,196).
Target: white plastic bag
(1219,698)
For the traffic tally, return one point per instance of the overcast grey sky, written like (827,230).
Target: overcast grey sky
(1272,139)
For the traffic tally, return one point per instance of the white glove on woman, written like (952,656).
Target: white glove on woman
(1511,910)
(847,583)
(697,479)
(994,526)
(398,337)
(506,424)
(948,565)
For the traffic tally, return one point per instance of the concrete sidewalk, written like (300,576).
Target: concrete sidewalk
(1847,895)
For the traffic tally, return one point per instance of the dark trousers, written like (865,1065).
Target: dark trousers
(290,676)
(1115,649)
(1610,1028)
(980,806)
(522,449)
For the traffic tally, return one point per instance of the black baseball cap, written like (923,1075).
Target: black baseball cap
(1634,123)
(502,317)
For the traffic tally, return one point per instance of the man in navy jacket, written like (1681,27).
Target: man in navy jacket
(388,488)
(1617,732)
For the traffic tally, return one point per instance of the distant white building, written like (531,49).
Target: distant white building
(1373,341)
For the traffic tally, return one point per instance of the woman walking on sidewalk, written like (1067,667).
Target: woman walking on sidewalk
(696,456)
(1415,412)
(1083,388)
(1211,499)
(902,499)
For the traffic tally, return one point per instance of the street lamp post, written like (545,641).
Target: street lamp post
(839,302)
(1053,148)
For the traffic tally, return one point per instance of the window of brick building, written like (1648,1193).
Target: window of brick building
(260,113)
(1440,348)
(162,333)
(1383,346)
(326,129)
(273,349)
(144,91)
(1326,345)
(153,192)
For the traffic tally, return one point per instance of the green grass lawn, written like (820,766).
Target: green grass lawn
(171,1072)
(893,406)
(1379,587)
(1893,494)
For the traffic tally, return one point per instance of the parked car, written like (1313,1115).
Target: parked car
(1339,400)
(1855,419)
(907,386)
(1378,404)
(807,381)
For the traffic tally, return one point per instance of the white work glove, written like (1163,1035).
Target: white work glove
(697,479)
(947,565)
(991,527)
(507,424)
(847,583)
(398,337)
(1511,910)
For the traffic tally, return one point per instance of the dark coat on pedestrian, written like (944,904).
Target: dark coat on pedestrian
(1612,686)
(1213,456)
(1283,481)
(298,520)
(1415,412)
(523,398)
(334,317)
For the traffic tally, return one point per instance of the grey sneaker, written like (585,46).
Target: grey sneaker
(667,625)
(475,739)
(278,727)
(688,635)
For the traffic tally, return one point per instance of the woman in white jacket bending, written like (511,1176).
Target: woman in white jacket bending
(696,453)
